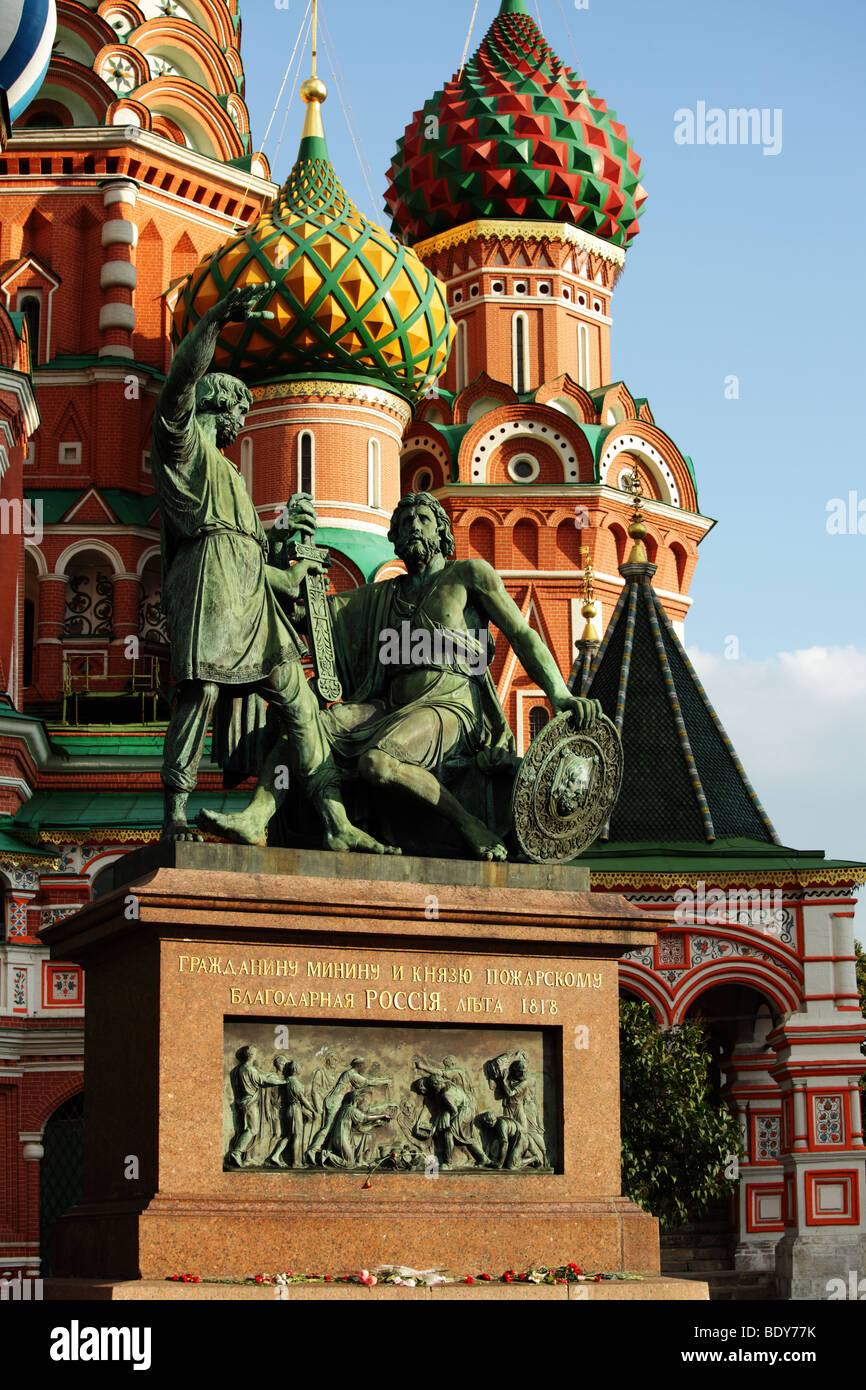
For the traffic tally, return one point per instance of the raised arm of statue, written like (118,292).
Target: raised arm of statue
(195,354)
(538,663)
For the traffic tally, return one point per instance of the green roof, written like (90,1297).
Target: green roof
(365,549)
(130,508)
(109,741)
(98,810)
(733,855)
(55,501)
(12,847)
(683,780)
(453,436)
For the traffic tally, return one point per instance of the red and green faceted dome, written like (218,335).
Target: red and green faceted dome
(519,135)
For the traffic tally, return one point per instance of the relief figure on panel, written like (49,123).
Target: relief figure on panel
(513,1085)
(448,1123)
(248,1085)
(349,1135)
(347,1085)
(293,1112)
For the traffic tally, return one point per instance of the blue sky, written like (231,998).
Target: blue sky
(746,265)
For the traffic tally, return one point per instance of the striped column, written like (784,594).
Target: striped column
(118,275)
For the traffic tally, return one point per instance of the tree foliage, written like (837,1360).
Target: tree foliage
(681,1146)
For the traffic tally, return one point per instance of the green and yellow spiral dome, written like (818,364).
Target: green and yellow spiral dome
(350,302)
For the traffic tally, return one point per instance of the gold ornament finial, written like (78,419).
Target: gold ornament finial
(589,609)
(313,90)
(637,531)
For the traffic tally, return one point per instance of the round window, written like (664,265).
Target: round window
(423,480)
(523,469)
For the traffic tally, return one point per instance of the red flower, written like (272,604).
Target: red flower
(366,1184)
(328,1279)
(598,1278)
(469,1279)
(485,1277)
(196,1279)
(508,1278)
(259,1279)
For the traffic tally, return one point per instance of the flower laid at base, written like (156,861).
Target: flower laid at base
(402,1276)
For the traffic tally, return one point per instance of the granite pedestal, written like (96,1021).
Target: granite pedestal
(192,947)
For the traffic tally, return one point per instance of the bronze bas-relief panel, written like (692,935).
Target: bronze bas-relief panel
(328,1097)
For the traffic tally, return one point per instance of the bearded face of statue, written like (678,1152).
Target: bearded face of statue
(417,541)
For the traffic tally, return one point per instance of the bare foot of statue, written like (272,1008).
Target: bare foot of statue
(239,827)
(485,844)
(174,825)
(180,831)
(356,841)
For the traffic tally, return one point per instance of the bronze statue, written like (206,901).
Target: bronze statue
(229,610)
(406,720)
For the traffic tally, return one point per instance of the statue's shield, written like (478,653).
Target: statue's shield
(566,789)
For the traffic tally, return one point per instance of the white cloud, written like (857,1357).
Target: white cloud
(798,722)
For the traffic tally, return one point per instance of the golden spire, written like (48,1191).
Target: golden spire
(589,609)
(637,530)
(313,90)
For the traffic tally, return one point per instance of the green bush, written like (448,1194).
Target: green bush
(681,1146)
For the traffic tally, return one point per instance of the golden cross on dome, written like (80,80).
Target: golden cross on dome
(315,34)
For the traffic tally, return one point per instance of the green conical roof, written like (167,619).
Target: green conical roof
(683,780)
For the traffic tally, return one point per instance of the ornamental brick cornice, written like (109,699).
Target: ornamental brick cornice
(335,391)
(490,229)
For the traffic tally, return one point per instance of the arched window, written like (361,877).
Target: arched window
(461,359)
(247,464)
(583,355)
(538,718)
(520,352)
(681,561)
(307,463)
(374,474)
(30,306)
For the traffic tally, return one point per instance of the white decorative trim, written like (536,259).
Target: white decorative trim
(119,231)
(122,273)
(17,785)
(102,137)
(19,387)
(88,543)
(634,443)
(120,316)
(529,429)
(120,191)
(521,696)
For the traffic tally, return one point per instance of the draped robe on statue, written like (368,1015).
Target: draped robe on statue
(460,715)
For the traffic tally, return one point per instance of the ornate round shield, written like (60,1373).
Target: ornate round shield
(566,789)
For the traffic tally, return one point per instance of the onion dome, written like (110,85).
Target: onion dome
(27,30)
(350,302)
(517,135)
